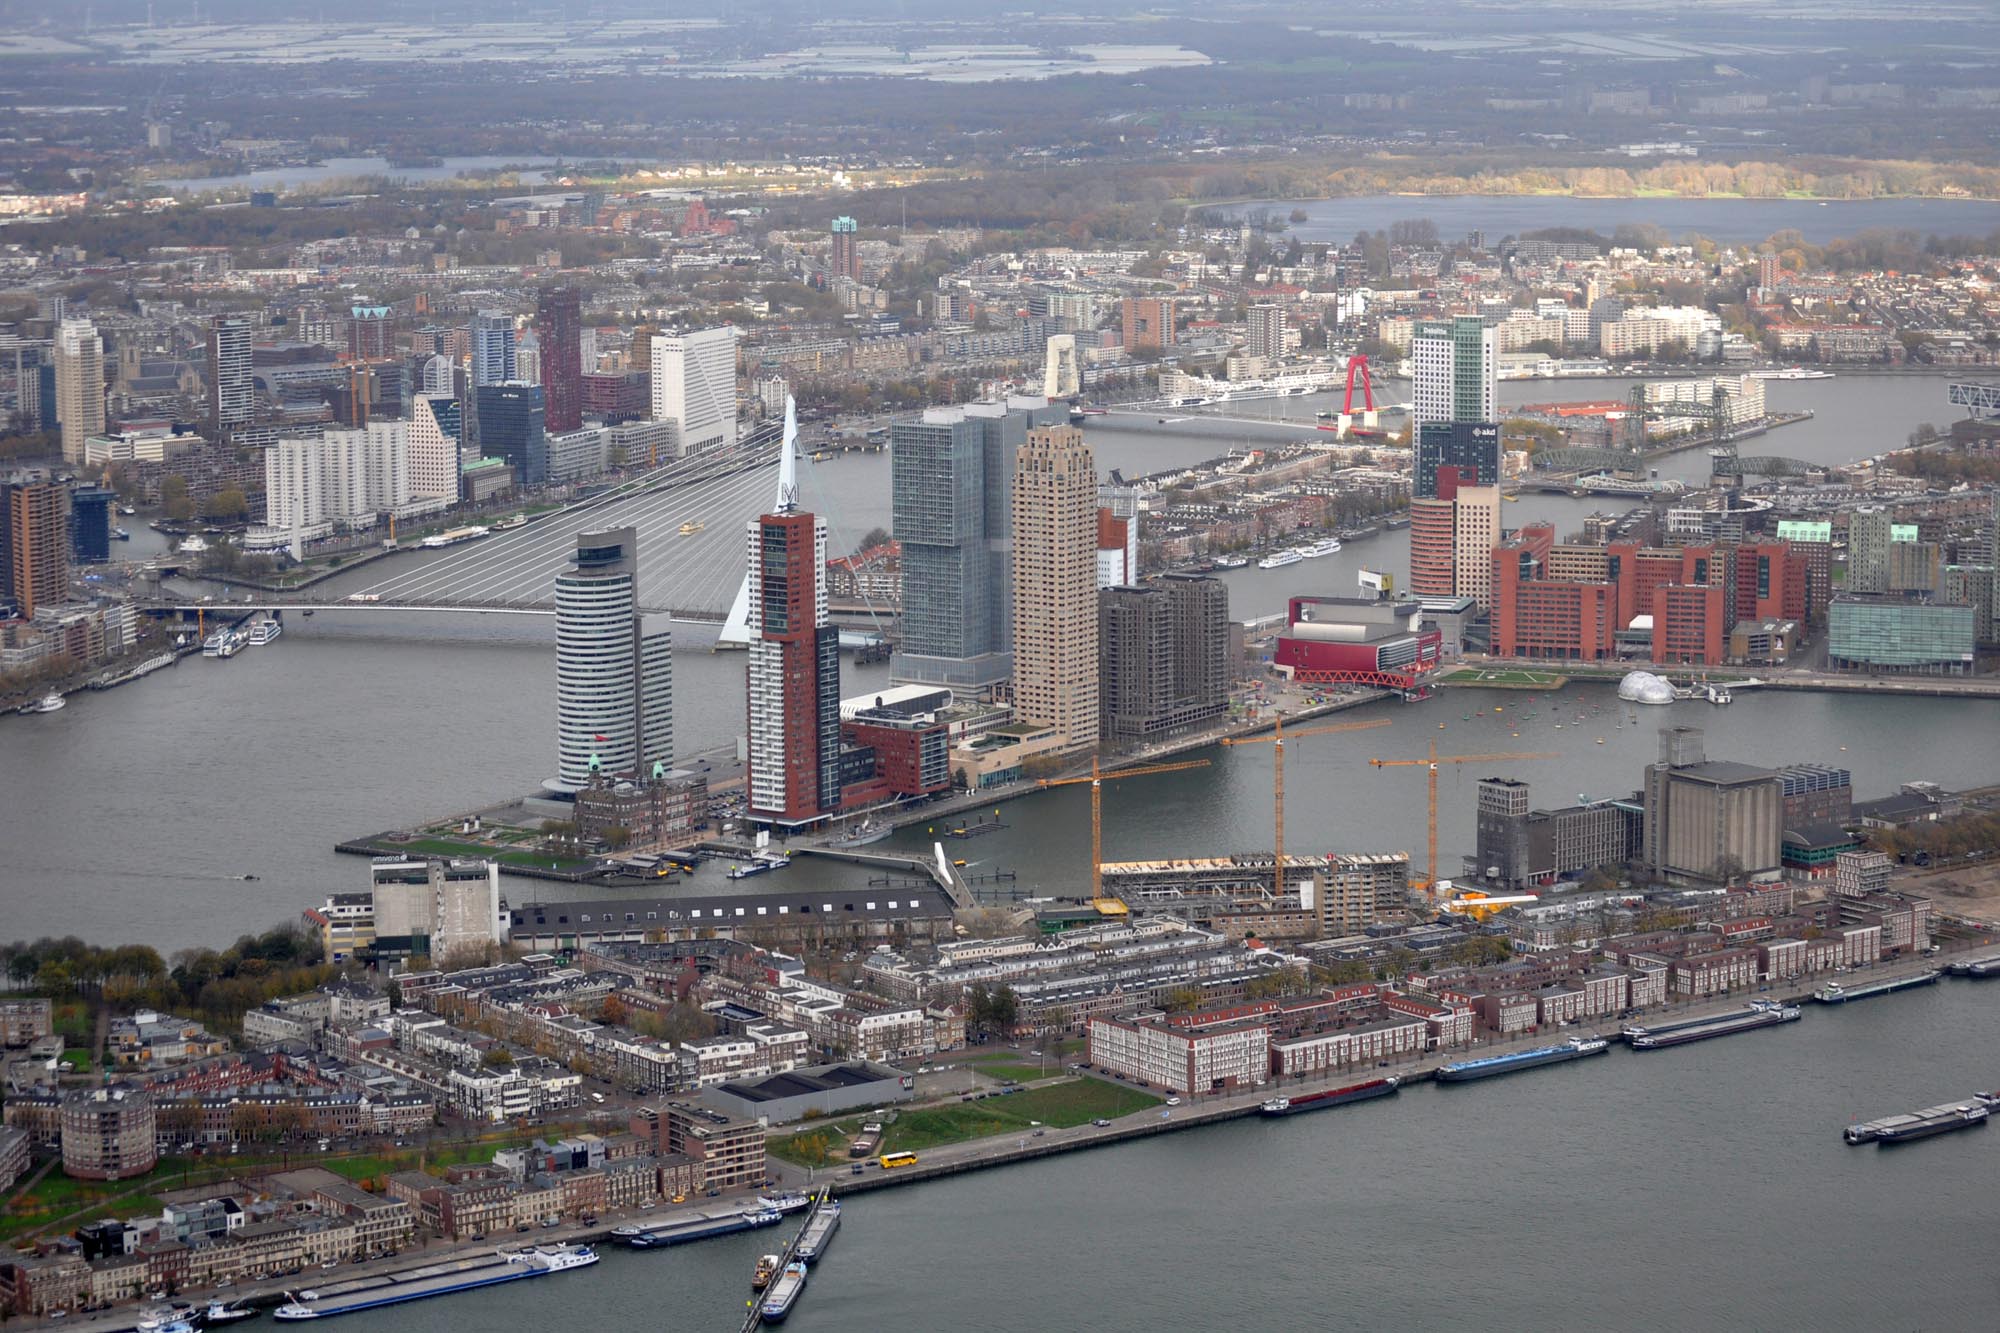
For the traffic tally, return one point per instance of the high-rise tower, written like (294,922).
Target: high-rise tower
(614,674)
(232,393)
(844,258)
(949,492)
(1055,584)
(79,385)
(493,347)
(794,667)
(559,325)
(1456,374)
(694,386)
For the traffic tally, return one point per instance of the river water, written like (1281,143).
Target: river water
(1729,221)
(1705,1187)
(128,815)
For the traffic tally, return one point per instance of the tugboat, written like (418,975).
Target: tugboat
(767,1268)
(221,1312)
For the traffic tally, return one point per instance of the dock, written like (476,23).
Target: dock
(755,1319)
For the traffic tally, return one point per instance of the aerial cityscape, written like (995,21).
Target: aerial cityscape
(873,646)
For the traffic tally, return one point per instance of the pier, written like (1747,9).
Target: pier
(755,1319)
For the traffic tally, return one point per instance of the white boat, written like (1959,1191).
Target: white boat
(1232,561)
(1716,694)
(1325,546)
(224,643)
(48,703)
(194,545)
(264,631)
(220,1312)
(1279,559)
(1791,373)
(452,538)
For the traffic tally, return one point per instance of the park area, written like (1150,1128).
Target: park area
(1059,1105)
(1504,678)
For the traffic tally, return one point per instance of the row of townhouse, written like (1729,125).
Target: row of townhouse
(325,1227)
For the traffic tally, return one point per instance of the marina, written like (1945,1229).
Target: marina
(1758,1014)
(436,1280)
(1835,992)
(1576,1048)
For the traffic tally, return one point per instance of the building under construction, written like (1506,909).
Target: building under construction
(1332,894)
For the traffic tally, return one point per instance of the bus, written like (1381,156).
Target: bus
(891,1160)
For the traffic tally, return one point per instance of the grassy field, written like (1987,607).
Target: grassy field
(1073,1102)
(79,1059)
(72,1020)
(1015,1070)
(453,847)
(1505,678)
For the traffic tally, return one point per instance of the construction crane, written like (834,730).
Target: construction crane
(1277,743)
(1097,779)
(1429,885)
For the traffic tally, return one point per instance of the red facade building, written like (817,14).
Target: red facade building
(559,325)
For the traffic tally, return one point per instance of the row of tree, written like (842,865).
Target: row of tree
(218,984)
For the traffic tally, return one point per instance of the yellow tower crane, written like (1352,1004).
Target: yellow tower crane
(1097,779)
(1276,741)
(1430,869)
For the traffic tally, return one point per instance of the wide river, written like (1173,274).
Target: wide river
(131,814)
(1729,221)
(1701,1188)
(1705,1187)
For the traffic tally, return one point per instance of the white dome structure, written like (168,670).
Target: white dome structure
(1643,687)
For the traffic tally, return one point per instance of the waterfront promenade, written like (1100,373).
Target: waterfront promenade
(1198,1110)
(1468,668)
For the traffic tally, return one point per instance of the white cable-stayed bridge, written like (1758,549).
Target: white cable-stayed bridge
(689,513)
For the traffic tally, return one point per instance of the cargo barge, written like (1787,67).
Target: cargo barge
(667,1234)
(1976,968)
(1946,1119)
(437,1280)
(1464,1071)
(1758,1014)
(1835,993)
(1319,1101)
(818,1233)
(784,1294)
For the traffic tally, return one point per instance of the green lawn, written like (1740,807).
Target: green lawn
(1504,678)
(1014,1070)
(79,1059)
(1071,1102)
(453,847)
(72,1020)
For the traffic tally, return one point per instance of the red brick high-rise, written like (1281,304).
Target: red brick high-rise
(34,539)
(559,326)
(793,673)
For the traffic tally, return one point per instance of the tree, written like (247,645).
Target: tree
(174,498)
(228,506)
(872,538)
(498,1057)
